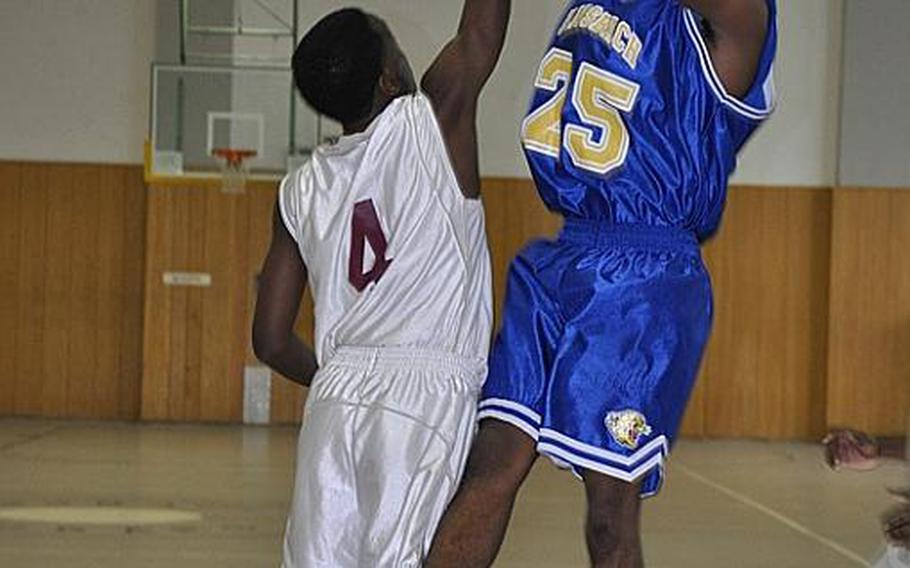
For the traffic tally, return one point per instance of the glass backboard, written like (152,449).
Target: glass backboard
(197,110)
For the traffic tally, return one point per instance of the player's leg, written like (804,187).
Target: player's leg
(510,410)
(638,312)
(475,523)
(323,527)
(404,480)
(613,523)
(413,435)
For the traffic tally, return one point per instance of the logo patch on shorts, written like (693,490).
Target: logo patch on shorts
(627,427)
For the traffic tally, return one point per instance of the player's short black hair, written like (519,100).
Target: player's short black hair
(337,64)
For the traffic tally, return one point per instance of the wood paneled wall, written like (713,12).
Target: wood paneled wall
(193,339)
(71,263)
(812,310)
(869,341)
(764,371)
(197,340)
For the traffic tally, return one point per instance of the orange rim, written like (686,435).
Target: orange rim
(233,157)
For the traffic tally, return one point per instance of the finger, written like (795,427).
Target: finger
(835,436)
(838,451)
(830,458)
(846,456)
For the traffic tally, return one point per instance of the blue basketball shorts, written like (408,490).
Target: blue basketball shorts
(602,336)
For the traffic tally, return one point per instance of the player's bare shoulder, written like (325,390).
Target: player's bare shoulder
(735,31)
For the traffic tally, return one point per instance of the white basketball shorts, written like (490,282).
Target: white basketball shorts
(385,437)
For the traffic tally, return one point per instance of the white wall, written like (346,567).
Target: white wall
(875,148)
(505,101)
(799,144)
(75,79)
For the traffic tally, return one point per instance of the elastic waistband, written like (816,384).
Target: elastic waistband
(407,358)
(598,233)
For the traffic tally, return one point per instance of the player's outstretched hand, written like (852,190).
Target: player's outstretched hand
(851,449)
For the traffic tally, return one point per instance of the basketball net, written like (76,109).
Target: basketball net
(234,168)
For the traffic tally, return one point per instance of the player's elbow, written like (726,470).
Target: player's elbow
(267,346)
(263,350)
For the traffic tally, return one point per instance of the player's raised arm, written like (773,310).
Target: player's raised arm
(736,35)
(462,68)
(281,285)
(455,79)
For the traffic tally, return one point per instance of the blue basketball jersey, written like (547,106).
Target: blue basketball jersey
(629,122)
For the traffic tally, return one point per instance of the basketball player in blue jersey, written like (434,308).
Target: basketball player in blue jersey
(386,227)
(639,110)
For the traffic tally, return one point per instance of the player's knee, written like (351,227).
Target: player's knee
(499,461)
(496,481)
(613,509)
(606,493)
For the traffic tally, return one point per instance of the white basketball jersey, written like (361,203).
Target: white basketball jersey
(397,256)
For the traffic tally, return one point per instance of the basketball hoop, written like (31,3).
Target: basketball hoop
(234,168)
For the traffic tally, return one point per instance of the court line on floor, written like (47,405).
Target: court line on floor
(30,438)
(796,526)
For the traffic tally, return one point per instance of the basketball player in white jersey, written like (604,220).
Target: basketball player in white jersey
(386,227)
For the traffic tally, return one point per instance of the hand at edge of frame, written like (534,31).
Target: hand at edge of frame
(851,449)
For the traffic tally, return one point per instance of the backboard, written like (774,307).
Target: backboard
(196,110)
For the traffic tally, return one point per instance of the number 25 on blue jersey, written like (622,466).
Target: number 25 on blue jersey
(600,142)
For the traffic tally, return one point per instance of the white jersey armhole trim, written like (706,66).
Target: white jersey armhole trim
(437,132)
(282,206)
(717,86)
(450,172)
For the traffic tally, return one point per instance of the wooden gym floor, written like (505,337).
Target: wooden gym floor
(108,493)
